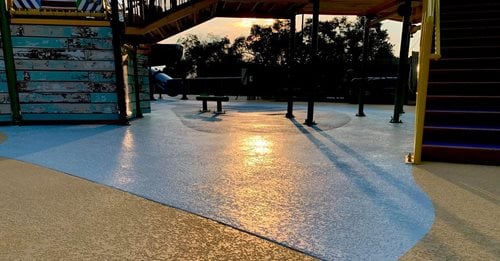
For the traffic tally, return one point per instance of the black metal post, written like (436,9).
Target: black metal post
(117,28)
(366,48)
(10,68)
(403,71)
(137,86)
(291,66)
(314,58)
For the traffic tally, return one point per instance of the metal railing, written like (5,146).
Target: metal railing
(430,31)
(143,12)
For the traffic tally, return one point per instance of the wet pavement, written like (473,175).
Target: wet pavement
(337,190)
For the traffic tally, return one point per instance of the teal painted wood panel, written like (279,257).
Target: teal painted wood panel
(54,97)
(5,109)
(102,77)
(64,65)
(38,42)
(52,76)
(89,44)
(4,98)
(69,108)
(50,54)
(67,87)
(70,43)
(61,31)
(70,117)
(5,117)
(103,97)
(144,96)
(62,54)
(99,55)
(3,85)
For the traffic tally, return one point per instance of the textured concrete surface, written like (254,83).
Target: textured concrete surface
(467,203)
(46,215)
(338,190)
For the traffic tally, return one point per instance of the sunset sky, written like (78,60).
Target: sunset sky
(234,27)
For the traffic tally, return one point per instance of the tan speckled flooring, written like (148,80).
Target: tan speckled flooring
(466,199)
(47,215)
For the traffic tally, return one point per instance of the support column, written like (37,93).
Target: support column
(10,69)
(117,28)
(366,48)
(137,86)
(291,66)
(314,58)
(403,71)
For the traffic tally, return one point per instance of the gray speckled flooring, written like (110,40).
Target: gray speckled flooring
(339,190)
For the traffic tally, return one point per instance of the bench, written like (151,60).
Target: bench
(218,99)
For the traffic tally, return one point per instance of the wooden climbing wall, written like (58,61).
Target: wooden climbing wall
(65,72)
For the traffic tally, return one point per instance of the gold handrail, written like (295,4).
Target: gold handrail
(437,30)
(430,30)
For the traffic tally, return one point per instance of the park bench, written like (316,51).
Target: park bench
(219,99)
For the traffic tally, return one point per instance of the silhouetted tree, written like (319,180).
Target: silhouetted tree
(266,50)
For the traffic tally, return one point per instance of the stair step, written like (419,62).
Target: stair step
(470,7)
(464,88)
(470,51)
(457,23)
(471,31)
(466,15)
(489,40)
(454,102)
(456,134)
(464,75)
(462,118)
(466,63)
(449,152)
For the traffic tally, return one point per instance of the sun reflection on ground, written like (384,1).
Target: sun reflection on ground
(257,150)
(126,159)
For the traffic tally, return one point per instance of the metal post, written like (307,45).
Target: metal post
(10,69)
(366,48)
(137,86)
(117,28)
(314,58)
(403,72)
(291,66)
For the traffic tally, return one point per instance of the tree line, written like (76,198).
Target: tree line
(265,54)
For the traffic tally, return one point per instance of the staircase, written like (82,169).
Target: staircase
(462,120)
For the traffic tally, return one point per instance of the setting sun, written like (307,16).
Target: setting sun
(248,22)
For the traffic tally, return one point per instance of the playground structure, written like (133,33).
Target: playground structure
(103,48)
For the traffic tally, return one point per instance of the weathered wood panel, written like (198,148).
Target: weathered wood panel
(64,65)
(57,43)
(4,98)
(143,62)
(103,97)
(61,31)
(3,84)
(68,87)
(56,76)
(5,117)
(54,97)
(5,109)
(65,72)
(102,77)
(53,76)
(61,54)
(59,108)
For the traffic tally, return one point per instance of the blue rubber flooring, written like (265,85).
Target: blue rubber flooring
(339,190)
